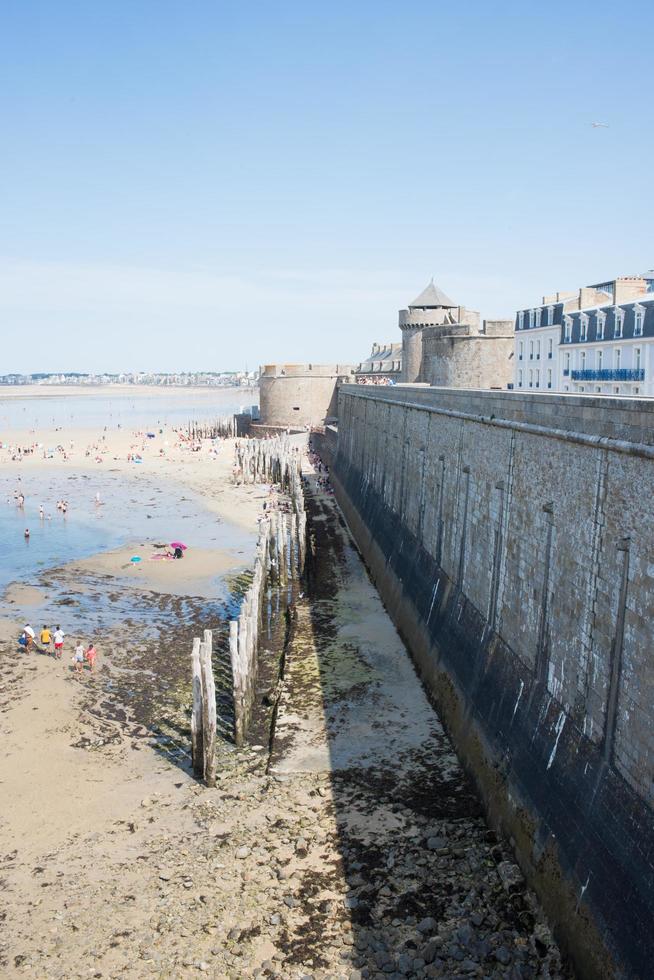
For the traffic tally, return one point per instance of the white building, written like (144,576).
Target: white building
(599,340)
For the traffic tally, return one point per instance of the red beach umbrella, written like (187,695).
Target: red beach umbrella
(178,544)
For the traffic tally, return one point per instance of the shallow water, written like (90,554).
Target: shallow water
(131,509)
(92,410)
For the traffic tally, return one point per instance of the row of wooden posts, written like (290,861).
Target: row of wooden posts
(280,557)
(223,427)
(279,561)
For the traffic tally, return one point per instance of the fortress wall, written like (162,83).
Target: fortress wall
(467,362)
(512,539)
(297,395)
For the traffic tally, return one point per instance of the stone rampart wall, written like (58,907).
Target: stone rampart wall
(467,362)
(298,395)
(512,539)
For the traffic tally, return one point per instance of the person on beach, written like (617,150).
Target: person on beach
(91,654)
(26,533)
(29,637)
(58,642)
(46,640)
(41,512)
(78,658)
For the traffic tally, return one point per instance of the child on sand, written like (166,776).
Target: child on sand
(58,642)
(45,637)
(91,654)
(78,658)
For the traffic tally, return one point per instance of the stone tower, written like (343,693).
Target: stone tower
(431,308)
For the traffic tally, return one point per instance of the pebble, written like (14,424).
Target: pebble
(243,852)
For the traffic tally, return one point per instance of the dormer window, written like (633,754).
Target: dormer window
(521,320)
(567,326)
(537,316)
(639,320)
(583,326)
(531,318)
(599,326)
(550,316)
(619,321)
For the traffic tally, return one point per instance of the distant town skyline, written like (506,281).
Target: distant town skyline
(235,184)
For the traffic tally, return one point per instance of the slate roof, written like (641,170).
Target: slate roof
(432,298)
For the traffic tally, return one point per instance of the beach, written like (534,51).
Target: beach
(345,841)
(81,751)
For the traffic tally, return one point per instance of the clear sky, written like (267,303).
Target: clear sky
(202,184)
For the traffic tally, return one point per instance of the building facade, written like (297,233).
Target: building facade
(445,345)
(598,340)
(383,366)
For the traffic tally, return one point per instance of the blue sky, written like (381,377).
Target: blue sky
(199,184)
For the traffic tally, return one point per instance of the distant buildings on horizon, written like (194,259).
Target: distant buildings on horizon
(197,379)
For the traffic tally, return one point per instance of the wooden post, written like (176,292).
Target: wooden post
(197,745)
(237,681)
(208,711)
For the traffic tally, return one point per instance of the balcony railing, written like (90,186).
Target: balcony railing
(609,374)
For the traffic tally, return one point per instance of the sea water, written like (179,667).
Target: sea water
(94,410)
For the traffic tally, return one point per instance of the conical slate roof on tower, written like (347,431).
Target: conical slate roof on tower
(432,298)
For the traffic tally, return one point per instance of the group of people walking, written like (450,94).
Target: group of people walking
(51,643)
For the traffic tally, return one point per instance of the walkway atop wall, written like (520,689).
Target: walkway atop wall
(431,892)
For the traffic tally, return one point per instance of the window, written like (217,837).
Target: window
(566,369)
(583,360)
(637,358)
(616,390)
(583,326)
(531,350)
(550,348)
(581,388)
(549,377)
(531,378)
(538,350)
(597,388)
(521,320)
(619,321)
(537,378)
(639,320)
(520,378)
(599,327)
(537,316)
(531,318)
(567,323)
(520,350)
(550,316)
(618,358)
(600,355)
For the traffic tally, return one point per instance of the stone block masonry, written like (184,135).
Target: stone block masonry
(512,540)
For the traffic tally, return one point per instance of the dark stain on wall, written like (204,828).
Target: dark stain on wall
(584,837)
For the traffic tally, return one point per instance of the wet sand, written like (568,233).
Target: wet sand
(356,849)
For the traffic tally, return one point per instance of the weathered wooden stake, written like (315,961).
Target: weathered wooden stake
(208,711)
(197,746)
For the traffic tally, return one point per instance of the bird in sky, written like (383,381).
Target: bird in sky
(599,125)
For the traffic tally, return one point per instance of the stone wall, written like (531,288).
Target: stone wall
(461,359)
(512,539)
(297,395)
